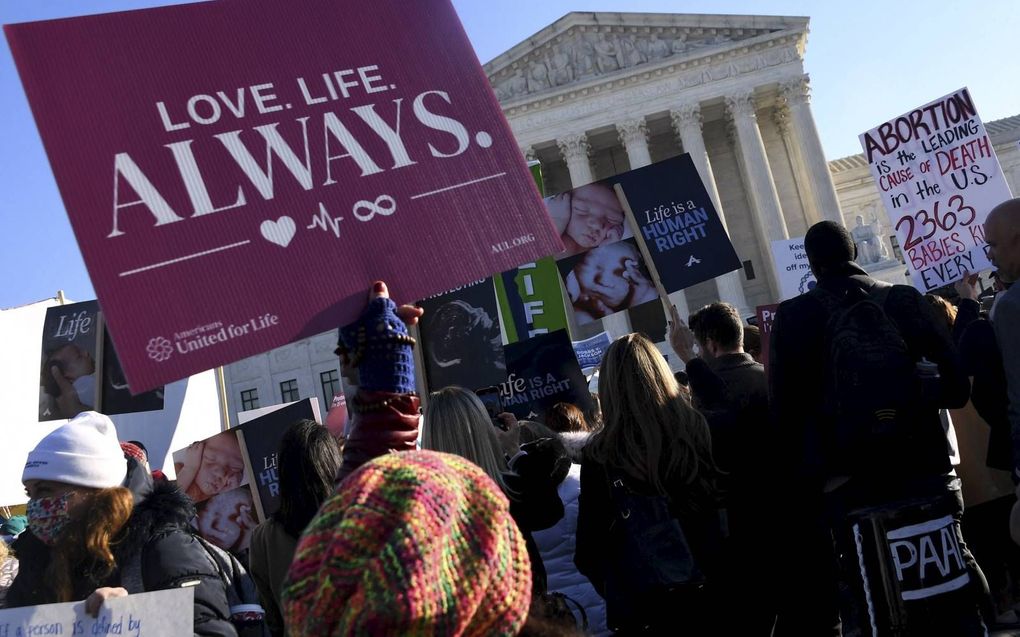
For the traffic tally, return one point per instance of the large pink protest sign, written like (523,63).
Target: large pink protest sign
(938,177)
(238,173)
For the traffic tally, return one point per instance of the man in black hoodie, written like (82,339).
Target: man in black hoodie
(838,468)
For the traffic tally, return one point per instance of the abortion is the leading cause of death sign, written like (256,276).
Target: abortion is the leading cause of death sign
(938,177)
(238,173)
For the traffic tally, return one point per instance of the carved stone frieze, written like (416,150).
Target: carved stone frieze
(667,81)
(583,53)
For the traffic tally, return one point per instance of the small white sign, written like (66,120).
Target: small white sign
(169,612)
(795,275)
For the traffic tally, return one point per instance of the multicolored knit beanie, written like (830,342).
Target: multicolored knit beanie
(413,543)
(380,347)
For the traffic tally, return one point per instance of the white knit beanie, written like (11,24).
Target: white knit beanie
(84,452)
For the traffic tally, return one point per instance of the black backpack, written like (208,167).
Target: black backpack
(652,570)
(872,388)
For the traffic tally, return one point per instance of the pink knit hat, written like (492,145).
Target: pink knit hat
(414,543)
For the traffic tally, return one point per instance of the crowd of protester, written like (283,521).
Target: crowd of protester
(818,497)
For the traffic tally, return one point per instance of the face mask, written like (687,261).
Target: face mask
(47,517)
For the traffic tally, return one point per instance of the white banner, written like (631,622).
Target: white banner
(938,177)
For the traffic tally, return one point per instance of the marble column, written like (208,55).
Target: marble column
(781,117)
(634,137)
(761,189)
(575,149)
(687,126)
(824,205)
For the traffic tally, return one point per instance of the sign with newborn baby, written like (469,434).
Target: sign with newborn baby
(224,209)
(232,477)
(212,473)
(677,228)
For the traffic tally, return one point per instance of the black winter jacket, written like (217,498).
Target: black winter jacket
(798,365)
(158,533)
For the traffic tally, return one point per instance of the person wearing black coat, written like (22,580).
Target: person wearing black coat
(151,546)
(827,483)
(730,390)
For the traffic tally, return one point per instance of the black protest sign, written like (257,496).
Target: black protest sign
(69,361)
(261,440)
(461,341)
(678,222)
(541,372)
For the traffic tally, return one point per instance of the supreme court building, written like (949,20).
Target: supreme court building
(596,94)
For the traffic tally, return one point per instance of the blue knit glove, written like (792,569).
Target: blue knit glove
(379,346)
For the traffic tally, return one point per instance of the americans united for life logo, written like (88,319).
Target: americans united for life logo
(159,349)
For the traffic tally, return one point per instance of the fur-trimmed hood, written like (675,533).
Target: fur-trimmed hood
(575,442)
(165,508)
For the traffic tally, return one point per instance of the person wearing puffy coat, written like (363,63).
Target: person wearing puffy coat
(557,543)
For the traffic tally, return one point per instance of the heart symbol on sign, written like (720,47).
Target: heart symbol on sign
(279,232)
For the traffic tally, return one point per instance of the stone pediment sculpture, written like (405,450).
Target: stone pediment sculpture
(581,47)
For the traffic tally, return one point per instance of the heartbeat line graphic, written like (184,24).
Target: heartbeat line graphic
(324,221)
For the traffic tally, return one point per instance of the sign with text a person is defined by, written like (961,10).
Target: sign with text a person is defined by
(678,222)
(168,612)
(227,208)
(938,177)
(795,276)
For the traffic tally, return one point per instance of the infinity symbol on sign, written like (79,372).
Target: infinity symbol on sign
(383,205)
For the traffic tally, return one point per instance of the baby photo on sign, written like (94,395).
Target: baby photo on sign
(211,466)
(67,373)
(588,217)
(227,519)
(609,279)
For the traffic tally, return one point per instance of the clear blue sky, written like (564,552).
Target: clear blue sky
(869,60)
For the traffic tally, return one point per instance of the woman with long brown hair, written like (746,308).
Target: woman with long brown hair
(98,528)
(654,450)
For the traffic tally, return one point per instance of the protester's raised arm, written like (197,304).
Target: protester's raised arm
(376,354)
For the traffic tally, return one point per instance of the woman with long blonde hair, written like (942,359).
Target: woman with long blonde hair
(456,422)
(654,444)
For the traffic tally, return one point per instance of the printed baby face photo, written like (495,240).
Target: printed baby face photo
(588,217)
(67,380)
(210,466)
(227,519)
(606,280)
